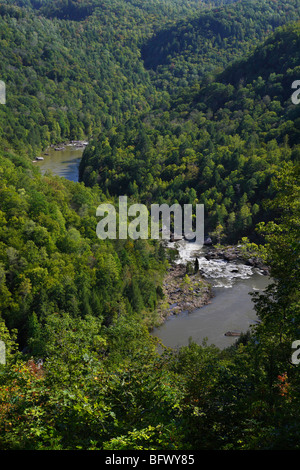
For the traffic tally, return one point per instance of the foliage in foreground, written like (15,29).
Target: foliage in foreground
(95,391)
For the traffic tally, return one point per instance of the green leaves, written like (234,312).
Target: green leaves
(90,376)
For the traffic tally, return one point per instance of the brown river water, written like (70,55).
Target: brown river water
(63,163)
(231,308)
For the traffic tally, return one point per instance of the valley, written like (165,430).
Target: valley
(116,344)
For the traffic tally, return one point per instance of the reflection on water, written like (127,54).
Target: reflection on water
(231,308)
(63,163)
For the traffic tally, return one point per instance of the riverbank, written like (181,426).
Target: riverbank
(186,286)
(212,304)
(79,144)
(63,159)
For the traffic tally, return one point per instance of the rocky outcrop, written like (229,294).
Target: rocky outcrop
(234,253)
(183,292)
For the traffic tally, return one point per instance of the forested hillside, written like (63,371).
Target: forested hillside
(218,143)
(183,53)
(52,261)
(75,78)
(64,79)
(181,101)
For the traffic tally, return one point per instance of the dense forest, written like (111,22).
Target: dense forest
(74,78)
(180,101)
(184,52)
(218,142)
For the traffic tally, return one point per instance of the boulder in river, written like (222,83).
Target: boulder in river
(183,292)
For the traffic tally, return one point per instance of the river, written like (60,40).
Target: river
(231,308)
(63,163)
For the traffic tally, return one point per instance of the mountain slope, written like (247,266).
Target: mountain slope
(85,372)
(73,68)
(218,144)
(183,53)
